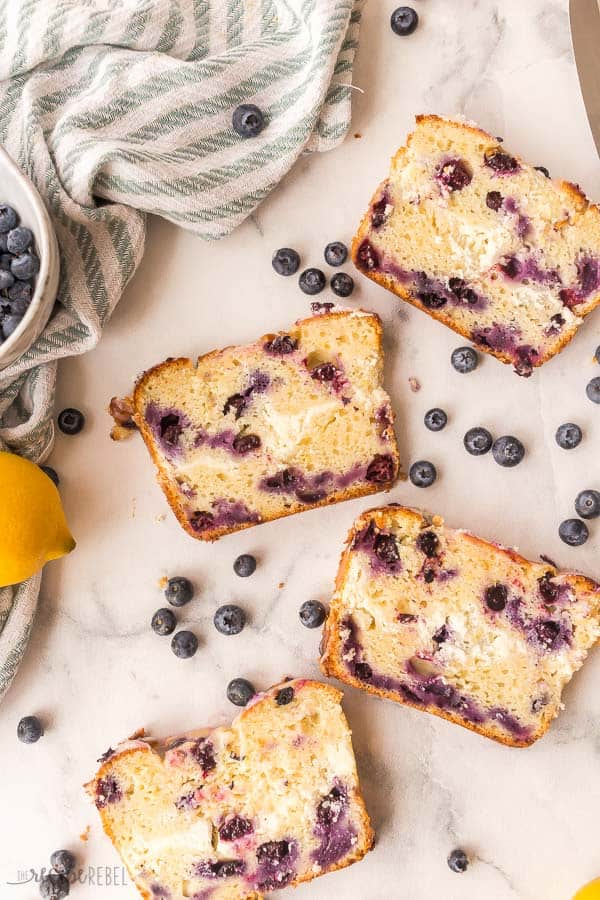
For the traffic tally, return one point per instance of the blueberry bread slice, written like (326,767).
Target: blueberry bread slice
(451,624)
(492,247)
(238,812)
(293,421)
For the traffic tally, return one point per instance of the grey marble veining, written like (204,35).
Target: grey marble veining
(94,669)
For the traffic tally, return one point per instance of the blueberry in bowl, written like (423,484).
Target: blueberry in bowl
(29,263)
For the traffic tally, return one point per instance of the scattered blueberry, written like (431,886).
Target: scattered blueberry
(245,565)
(240,692)
(179,590)
(25,266)
(404,21)
(342,284)
(464,359)
(284,696)
(54,886)
(496,596)
(597,354)
(336,253)
(30,730)
(229,619)
(508,451)
(248,120)
(500,161)
(478,441)
(573,532)
(593,390)
(7,279)
(458,861)
(312,613)
(568,436)
(286,261)
(51,473)
(245,443)
(422,473)
(71,421)
(19,239)
(587,504)
(435,419)
(8,218)
(164,621)
(184,644)
(62,861)
(312,281)
(543,170)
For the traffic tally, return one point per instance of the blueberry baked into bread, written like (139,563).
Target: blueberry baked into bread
(235,813)
(293,421)
(492,247)
(448,623)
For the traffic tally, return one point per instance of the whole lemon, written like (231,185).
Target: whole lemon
(33,528)
(590,892)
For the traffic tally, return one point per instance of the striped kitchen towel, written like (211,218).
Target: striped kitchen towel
(118,108)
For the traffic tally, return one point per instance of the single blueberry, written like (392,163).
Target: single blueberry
(286,261)
(237,403)
(458,861)
(312,613)
(248,120)
(8,218)
(597,354)
(229,619)
(312,281)
(281,345)
(342,284)
(568,436)
(404,21)
(380,469)
(587,504)
(435,419)
(508,451)
(432,300)
(25,266)
(464,360)
(284,696)
(3,239)
(478,441)
(164,621)
(428,543)
(7,279)
(422,473)
(30,730)
(593,390)
(367,257)
(245,443)
(234,828)
(51,473)
(6,260)
(240,692)
(500,161)
(386,549)
(245,565)
(20,290)
(454,174)
(573,532)
(62,861)
(54,886)
(19,307)
(496,596)
(336,253)
(179,590)
(19,239)
(363,671)
(494,200)
(543,170)
(184,644)
(71,421)
(10,325)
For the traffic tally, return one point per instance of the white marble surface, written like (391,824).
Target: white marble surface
(94,669)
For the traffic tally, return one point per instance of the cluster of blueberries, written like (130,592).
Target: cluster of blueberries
(508,451)
(19,265)
(286,261)
(229,619)
(55,884)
